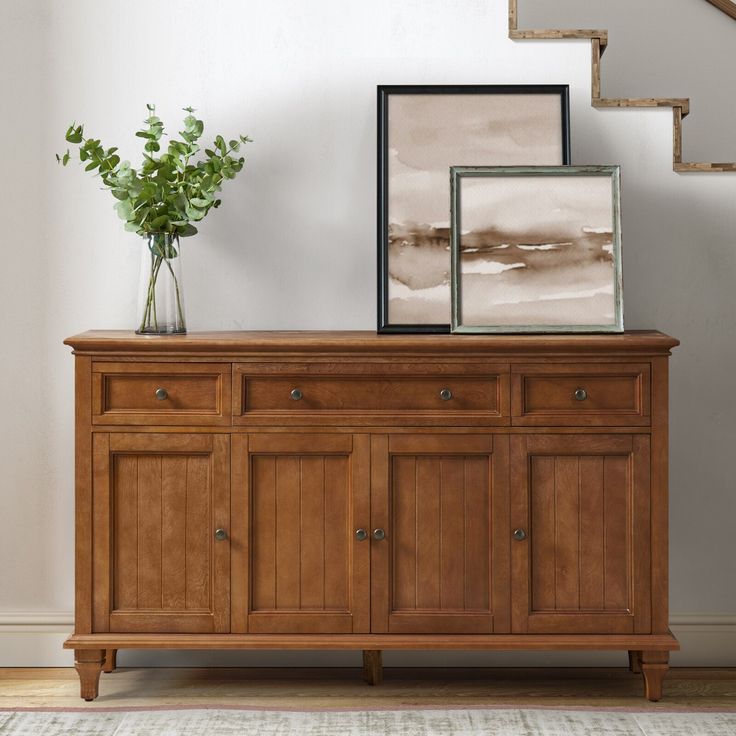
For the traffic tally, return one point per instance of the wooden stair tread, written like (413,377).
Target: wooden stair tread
(682,102)
(552,33)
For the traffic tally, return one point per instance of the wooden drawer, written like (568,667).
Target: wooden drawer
(370,394)
(161,393)
(615,394)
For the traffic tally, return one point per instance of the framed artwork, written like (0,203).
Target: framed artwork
(422,131)
(536,249)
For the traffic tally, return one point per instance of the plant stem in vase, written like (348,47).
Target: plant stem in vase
(160,296)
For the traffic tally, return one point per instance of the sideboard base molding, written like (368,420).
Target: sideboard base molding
(498,642)
(97,653)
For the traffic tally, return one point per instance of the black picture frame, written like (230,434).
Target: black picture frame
(384,94)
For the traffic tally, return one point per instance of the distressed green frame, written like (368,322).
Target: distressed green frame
(457,173)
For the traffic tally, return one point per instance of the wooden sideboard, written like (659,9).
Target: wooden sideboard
(347,490)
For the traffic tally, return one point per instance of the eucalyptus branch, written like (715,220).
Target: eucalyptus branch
(168,193)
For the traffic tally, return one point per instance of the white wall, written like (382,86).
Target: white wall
(294,244)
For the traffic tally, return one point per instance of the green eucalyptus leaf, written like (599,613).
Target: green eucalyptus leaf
(74,135)
(193,213)
(124,209)
(201,203)
(187,230)
(120,194)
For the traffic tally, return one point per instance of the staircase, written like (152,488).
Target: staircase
(599,42)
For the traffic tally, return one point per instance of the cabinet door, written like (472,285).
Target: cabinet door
(157,566)
(298,500)
(583,503)
(443,566)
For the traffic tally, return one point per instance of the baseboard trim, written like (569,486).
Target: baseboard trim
(35,620)
(35,638)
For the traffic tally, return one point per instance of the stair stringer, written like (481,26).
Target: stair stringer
(598,42)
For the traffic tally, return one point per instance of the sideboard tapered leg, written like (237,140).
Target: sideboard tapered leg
(635,661)
(373,666)
(88,663)
(654,666)
(111,657)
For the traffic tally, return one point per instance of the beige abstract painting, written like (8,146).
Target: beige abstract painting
(538,251)
(428,133)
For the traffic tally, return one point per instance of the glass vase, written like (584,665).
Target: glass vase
(160,294)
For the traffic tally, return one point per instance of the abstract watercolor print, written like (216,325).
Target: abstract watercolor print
(537,250)
(426,134)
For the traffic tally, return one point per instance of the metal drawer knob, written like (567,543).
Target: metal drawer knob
(379,534)
(361,535)
(296,394)
(445,394)
(220,535)
(519,535)
(581,394)
(161,394)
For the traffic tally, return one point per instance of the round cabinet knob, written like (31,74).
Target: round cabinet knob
(296,394)
(361,535)
(220,535)
(445,394)
(519,535)
(379,534)
(161,394)
(581,394)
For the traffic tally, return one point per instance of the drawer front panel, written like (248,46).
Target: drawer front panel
(603,395)
(161,394)
(376,397)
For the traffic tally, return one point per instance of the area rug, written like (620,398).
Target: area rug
(409,721)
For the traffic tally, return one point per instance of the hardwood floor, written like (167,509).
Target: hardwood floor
(340,688)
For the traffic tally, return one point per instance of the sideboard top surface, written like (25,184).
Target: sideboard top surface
(297,342)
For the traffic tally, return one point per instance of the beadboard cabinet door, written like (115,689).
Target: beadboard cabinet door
(158,564)
(440,545)
(298,566)
(581,547)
